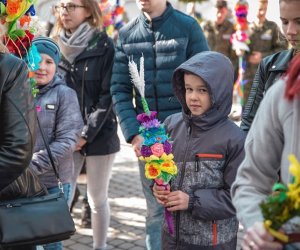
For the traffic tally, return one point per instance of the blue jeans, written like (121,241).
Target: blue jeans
(154,218)
(67,194)
(290,247)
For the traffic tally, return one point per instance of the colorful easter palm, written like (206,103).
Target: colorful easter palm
(283,205)
(112,15)
(156,150)
(240,41)
(18,27)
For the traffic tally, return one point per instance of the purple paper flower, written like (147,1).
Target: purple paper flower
(151,124)
(146,118)
(167,147)
(146,151)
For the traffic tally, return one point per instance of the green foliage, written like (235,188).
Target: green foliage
(2,9)
(34,89)
(278,208)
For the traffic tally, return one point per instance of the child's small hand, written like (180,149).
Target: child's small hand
(160,193)
(177,200)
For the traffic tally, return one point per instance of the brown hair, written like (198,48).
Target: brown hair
(95,20)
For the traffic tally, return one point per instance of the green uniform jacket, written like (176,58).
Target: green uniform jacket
(218,38)
(266,39)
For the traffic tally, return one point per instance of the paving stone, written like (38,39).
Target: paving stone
(128,208)
(80,246)
(127,245)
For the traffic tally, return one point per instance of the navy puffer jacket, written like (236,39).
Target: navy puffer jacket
(165,42)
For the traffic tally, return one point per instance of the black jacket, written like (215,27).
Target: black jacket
(269,70)
(89,76)
(17,130)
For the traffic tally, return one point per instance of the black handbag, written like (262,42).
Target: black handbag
(36,220)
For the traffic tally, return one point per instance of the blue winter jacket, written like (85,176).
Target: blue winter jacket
(61,120)
(165,42)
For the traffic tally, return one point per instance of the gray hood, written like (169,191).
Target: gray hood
(217,72)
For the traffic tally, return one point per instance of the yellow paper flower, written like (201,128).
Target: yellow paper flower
(276,234)
(169,167)
(295,168)
(151,158)
(16,8)
(166,157)
(152,170)
(294,187)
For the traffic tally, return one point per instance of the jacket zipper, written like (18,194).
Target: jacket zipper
(85,69)
(155,68)
(181,182)
(197,163)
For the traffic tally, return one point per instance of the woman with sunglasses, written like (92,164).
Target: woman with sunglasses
(87,59)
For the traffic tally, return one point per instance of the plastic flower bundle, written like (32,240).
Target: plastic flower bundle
(283,205)
(112,15)
(240,41)
(19,25)
(156,150)
(18,18)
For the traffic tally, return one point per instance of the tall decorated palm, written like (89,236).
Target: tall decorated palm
(240,40)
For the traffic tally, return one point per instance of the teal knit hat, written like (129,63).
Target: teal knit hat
(46,45)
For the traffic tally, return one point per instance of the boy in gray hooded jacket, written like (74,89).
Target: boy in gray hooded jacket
(208,149)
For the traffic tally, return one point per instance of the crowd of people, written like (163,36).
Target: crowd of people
(85,91)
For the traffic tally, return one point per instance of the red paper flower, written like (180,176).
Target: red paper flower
(157,149)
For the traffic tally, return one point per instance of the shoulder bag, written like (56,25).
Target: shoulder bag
(36,220)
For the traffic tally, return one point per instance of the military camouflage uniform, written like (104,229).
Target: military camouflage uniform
(266,39)
(218,38)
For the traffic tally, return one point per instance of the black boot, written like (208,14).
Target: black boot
(85,214)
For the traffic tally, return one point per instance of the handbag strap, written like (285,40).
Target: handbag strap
(60,186)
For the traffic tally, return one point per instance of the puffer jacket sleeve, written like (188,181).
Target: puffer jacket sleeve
(17,119)
(122,94)
(216,204)
(197,42)
(97,116)
(255,96)
(68,126)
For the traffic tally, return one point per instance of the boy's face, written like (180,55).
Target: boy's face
(46,71)
(196,94)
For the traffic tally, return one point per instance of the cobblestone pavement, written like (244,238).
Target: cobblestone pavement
(128,208)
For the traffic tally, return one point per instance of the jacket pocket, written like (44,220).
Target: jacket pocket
(209,168)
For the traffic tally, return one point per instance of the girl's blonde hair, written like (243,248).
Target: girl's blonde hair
(95,20)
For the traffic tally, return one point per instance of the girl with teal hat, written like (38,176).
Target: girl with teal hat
(60,118)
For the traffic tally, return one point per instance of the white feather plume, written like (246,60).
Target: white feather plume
(137,78)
